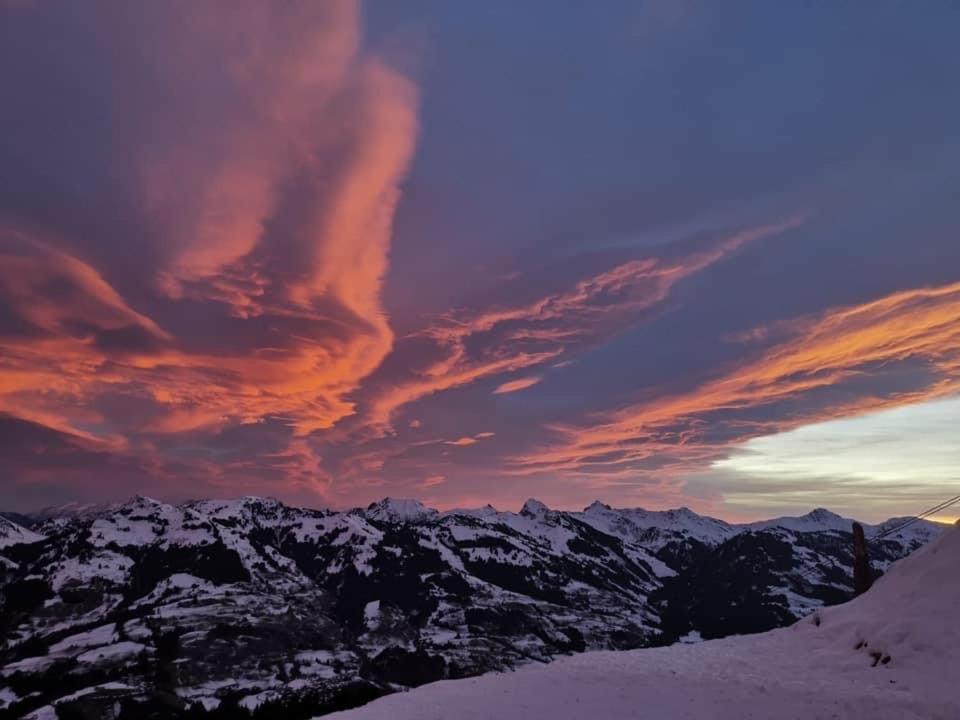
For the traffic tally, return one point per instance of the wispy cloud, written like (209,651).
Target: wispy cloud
(462,441)
(468,440)
(805,378)
(431,481)
(222,271)
(268,209)
(467,347)
(512,386)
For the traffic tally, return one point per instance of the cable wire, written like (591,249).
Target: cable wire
(926,513)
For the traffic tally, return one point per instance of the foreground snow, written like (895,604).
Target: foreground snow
(893,653)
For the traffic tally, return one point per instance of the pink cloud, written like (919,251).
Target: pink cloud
(292,278)
(512,386)
(841,345)
(469,347)
(431,481)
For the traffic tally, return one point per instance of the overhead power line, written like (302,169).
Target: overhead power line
(925,514)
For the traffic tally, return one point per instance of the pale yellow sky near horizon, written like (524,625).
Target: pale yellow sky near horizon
(899,461)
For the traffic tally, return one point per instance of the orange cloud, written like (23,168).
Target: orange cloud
(512,386)
(271,210)
(61,295)
(469,440)
(461,442)
(843,344)
(215,198)
(450,372)
(539,332)
(432,481)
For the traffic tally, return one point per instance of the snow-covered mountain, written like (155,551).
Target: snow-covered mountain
(13,534)
(253,603)
(821,519)
(891,654)
(656,528)
(392,510)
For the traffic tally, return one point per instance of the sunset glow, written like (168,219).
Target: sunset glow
(330,252)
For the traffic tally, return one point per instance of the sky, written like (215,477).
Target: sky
(652,253)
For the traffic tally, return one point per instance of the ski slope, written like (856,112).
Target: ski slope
(893,653)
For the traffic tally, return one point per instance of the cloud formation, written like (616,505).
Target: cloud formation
(913,332)
(512,386)
(267,169)
(324,250)
(466,347)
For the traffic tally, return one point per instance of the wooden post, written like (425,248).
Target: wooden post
(862,574)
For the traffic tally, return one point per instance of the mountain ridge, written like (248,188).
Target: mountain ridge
(890,653)
(218,602)
(398,509)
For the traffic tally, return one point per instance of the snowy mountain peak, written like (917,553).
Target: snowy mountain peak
(597,506)
(487,511)
(73,510)
(906,529)
(141,502)
(260,500)
(13,534)
(398,510)
(657,527)
(247,506)
(256,504)
(685,513)
(814,521)
(823,515)
(534,508)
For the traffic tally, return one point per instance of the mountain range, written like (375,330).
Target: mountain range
(890,654)
(225,608)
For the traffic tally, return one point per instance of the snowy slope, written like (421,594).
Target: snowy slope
(819,520)
(13,534)
(814,521)
(893,653)
(656,528)
(393,510)
(906,530)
